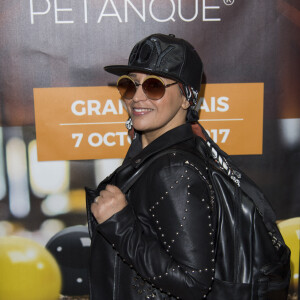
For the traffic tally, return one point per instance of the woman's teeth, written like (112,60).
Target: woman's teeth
(142,109)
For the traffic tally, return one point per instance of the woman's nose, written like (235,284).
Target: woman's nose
(139,94)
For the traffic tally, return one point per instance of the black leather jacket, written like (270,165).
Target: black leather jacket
(161,245)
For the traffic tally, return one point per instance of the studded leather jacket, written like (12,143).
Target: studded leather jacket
(161,245)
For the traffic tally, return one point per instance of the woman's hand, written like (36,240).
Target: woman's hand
(110,201)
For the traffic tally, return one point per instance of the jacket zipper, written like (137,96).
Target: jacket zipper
(116,277)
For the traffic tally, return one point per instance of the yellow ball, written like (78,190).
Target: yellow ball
(290,230)
(28,271)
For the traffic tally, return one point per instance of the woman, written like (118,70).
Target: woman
(158,240)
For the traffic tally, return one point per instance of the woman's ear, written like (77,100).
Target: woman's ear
(185,103)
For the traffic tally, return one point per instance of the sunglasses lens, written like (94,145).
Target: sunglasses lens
(126,88)
(153,88)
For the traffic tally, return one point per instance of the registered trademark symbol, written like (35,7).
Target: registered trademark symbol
(228,2)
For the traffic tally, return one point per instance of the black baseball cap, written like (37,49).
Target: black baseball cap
(166,56)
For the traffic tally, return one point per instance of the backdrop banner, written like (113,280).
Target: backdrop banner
(62,121)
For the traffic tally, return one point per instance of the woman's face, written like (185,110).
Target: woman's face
(155,117)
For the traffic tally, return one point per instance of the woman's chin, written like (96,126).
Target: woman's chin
(141,128)
(140,125)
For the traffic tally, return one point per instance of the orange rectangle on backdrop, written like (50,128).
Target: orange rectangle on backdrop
(75,123)
(232,113)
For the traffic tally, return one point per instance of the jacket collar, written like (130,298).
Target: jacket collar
(136,155)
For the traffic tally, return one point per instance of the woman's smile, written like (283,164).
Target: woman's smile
(141,111)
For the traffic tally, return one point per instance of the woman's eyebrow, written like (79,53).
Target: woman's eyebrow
(133,75)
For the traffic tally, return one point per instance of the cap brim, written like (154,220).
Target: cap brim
(120,70)
(123,69)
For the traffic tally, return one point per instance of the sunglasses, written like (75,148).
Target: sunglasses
(153,87)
